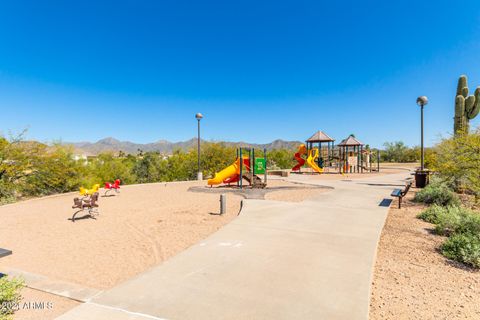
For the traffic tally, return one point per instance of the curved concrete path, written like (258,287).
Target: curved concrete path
(277,260)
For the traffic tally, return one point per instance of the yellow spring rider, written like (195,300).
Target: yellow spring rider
(89,192)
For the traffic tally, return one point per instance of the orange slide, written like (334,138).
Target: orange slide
(298,156)
(312,158)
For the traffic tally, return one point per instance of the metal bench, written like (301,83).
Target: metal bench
(399,193)
(4,252)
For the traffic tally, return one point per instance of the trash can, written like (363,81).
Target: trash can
(421,178)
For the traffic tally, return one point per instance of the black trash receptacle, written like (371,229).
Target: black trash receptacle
(421,178)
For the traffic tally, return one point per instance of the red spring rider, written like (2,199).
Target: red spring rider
(112,186)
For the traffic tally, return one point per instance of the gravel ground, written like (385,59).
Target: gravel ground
(412,280)
(40,305)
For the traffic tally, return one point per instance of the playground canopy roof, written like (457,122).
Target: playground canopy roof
(350,142)
(320,136)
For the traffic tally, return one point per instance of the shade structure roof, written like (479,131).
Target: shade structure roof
(350,142)
(320,136)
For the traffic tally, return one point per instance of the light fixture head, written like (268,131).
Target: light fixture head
(199,116)
(422,101)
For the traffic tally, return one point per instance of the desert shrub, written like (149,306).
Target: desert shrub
(181,166)
(437,192)
(457,159)
(469,223)
(7,192)
(452,220)
(150,167)
(399,152)
(9,296)
(463,248)
(431,213)
(107,167)
(214,157)
(280,159)
(52,171)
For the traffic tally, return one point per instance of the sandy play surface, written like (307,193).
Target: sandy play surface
(140,228)
(40,305)
(414,281)
(136,230)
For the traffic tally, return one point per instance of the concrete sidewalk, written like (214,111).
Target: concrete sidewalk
(277,260)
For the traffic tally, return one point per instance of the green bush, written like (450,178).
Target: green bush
(463,248)
(462,225)
(452,219)
(469,223)
(9,296)
(280,159)
(52,171)
(431,213)
(398,152)
(457,220)
(7,192)
(438,192)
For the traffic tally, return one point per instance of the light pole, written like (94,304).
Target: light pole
(421,176)
(422,101)
(199,117)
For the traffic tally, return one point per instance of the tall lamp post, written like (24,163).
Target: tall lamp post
(421,176)
(199,117)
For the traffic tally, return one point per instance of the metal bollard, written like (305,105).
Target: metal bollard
(223,203)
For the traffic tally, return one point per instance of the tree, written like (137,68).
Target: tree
(52,171)
(457,160)
(280,158)
(398,152)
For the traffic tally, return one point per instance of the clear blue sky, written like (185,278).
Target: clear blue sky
(258,70)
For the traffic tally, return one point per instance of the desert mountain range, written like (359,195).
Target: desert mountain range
(164,146)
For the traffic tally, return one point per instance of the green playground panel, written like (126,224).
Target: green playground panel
(260,165)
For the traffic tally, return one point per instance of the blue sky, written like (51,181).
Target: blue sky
(140,70)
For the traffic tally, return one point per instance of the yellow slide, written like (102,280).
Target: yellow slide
(228,172)
(312,158)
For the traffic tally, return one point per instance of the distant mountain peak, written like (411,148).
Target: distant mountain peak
(109,140)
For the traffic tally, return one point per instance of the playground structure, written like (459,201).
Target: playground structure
(246,167)
(353,158)
(318,157)
(112,186)
(312,158)
(349,156)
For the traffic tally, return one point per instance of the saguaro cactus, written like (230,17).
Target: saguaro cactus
(466,107)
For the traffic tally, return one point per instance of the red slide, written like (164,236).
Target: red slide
(300,160)
(232,179)
(235,178)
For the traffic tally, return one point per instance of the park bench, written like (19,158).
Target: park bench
(399,193)
(4,252)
